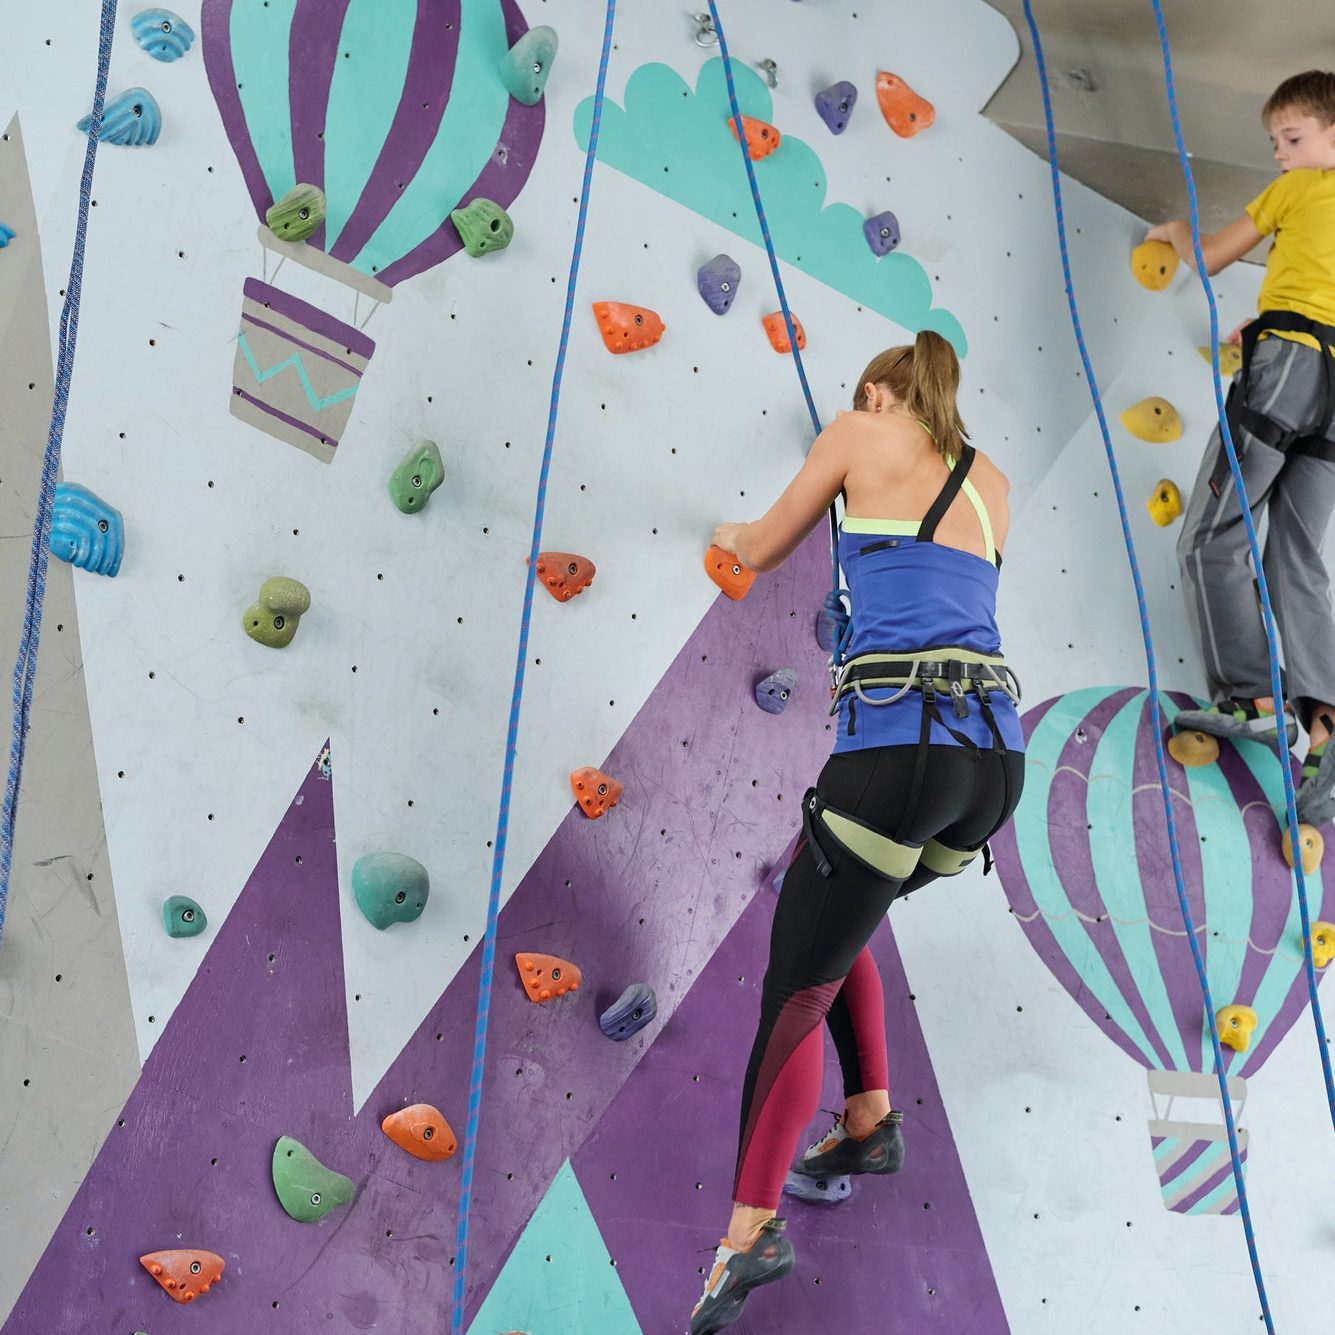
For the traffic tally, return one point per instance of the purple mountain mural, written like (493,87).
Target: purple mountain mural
(258,1048)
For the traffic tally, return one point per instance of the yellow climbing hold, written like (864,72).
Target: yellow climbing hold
(1235,1024)
(1153,419)
(1154,263)
(1323,943)
(1166,503)
(1312,845)
(1193,749)
(1230,357)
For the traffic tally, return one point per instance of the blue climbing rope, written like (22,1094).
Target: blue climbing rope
(1267,611)
(1156,725)
(841,641)
(516,698)
(25,662)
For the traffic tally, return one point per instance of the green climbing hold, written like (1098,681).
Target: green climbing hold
(413,481)
(273,617)
(306,1189)
(297,214)
(390,887)
(181,916)
(526,65)
(484,226)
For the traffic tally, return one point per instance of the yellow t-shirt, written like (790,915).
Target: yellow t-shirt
(1299,208)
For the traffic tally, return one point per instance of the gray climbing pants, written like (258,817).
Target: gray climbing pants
(1296,492)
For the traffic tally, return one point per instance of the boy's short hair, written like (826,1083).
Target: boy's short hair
(1312,93)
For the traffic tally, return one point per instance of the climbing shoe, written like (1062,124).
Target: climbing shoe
(735,1274)
(881,1150)
(1238,719)
(1316,794)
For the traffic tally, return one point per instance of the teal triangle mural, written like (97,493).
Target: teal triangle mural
(559,1276)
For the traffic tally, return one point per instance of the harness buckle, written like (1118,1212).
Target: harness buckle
(956,678)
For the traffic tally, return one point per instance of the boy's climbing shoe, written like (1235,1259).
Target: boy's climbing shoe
(1239,719)
(1316,795)
(881,1150)
(735,1274)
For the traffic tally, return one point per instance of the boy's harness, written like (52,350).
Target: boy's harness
(1257,424)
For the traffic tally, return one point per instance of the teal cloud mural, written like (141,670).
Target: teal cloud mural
(678,142)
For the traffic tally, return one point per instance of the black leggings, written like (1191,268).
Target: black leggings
(819,964)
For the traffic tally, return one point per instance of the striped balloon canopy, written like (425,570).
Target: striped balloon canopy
(1086,868)
(394,108)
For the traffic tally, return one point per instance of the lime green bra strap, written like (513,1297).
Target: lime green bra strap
(971,492)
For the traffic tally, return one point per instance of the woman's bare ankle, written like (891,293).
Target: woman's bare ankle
(745,1225)
(863,1111)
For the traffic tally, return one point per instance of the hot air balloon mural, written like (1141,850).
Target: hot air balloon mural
(395,110)
(1086,868)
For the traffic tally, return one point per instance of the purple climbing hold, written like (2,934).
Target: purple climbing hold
(629,1013)
(882,232)
(819,1190)
(835,105)
(718,282)
(772,693)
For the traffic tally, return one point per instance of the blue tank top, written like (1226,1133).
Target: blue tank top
(909,594)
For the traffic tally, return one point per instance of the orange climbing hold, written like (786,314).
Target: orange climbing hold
(595,791)
(563,574)
(627,328)
(729,573)
(905,112)
(762,138)
(778,332)
(186,1273)
(547,976)
(421,1130)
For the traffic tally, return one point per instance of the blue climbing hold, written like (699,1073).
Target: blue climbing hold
(164,35)
(835,105)
(772,693)
(7,234)
(819,1190)
(882,232)
(133,119)
(629,1013)
(86,531)
(718,282)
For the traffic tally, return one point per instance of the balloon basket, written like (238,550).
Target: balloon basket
(1192,1159)
(297,369)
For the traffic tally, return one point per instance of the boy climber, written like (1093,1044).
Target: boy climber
(1281,413)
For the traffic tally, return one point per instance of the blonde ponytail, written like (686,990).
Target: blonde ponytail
(925,378)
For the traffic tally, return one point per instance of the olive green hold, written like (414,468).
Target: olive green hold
(273,618)
(526,65)
(389,888)
(484,226)
(306,1189)
(181,916)
(413,481)
(297,214)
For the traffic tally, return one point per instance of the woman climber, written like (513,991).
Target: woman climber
(928,764)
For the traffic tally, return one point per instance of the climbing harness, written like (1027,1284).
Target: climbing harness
(512,734)
(1258,564)
(836,594)
(1265,429)
(25,662)
(1156,730)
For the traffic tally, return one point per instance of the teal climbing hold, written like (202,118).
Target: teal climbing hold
(484,227)
(7,234)
(306,1189)
(181,916)
(297,214)
(389,888)
(419,473)
(526,65)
